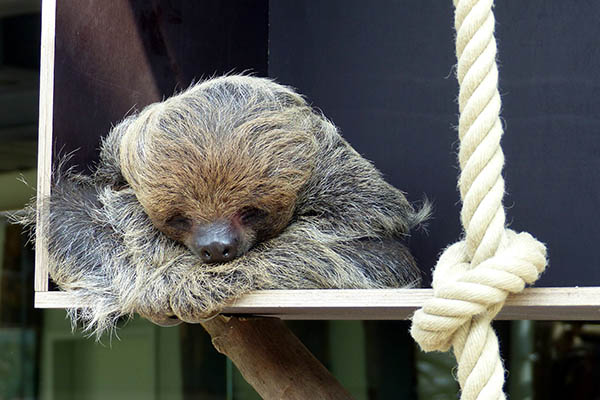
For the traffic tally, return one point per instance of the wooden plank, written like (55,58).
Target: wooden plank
(387,304)
(44,138)
(55,300)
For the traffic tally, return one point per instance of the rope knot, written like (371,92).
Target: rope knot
(473,277)
(462,291)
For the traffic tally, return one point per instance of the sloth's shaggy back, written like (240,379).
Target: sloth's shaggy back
(346,229)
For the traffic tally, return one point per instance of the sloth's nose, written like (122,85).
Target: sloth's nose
(217,251)
(216,242)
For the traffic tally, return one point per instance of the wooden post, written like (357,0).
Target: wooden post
(272,359)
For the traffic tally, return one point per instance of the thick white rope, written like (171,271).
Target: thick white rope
(474,276)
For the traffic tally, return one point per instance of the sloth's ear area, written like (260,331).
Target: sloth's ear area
(108,170)
(119,185)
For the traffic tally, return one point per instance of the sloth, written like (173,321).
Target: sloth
(233,185)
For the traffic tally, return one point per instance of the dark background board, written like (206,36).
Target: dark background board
(112,58)
(383,72)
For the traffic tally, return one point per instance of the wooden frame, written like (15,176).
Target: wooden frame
(391,304)
(385,304)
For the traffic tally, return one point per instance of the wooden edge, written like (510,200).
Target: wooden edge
(385,304)
(44,166)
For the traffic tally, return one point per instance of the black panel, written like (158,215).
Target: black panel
(21,41)
(110,58)
(383,72)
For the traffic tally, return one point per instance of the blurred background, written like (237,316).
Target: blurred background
(392,99)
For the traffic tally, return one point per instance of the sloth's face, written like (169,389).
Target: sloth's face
(225,196)
(222,212)
(222,239)
(219,211)
(219,180)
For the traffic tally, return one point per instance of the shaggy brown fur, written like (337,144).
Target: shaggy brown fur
(321,216)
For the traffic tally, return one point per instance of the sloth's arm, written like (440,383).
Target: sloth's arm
(302,257)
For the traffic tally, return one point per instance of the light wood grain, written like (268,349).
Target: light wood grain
(45,138)
(387,304)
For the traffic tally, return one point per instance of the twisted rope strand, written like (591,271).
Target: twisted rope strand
(474,276)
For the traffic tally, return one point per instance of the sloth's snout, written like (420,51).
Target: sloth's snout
(216,242)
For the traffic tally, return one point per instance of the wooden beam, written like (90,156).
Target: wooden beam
(273,360)
(579,303)
(44,138)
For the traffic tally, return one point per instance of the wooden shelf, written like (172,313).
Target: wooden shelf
(580,303)
(391,304)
